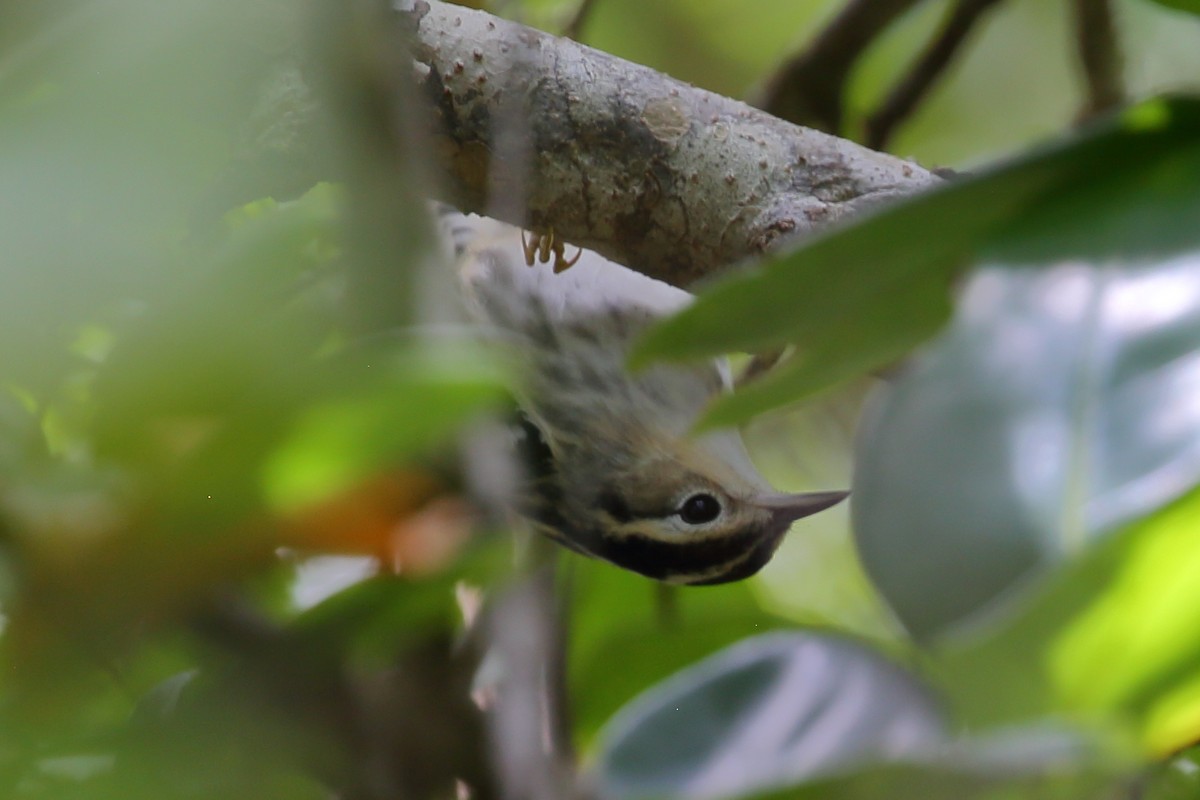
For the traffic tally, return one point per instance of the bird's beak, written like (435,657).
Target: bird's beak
(791,507)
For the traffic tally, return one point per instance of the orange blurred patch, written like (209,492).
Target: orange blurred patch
(408,519)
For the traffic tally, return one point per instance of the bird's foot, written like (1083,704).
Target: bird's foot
(541,246)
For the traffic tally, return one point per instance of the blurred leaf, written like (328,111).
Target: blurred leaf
(876,287)
(769,710)
(725,49)
(102,555)
(374,618)
(422,394)
(1176,779)
(1144,627)
(165,350)
(1000,674)
(116,115)
(1192,6)
(223,336)
(404,517)
(656,629)
(343,478)
(1019,764)
(1057,406)
(371,611)
(874,339)
(20,436)
(1113,639)
(1037,760)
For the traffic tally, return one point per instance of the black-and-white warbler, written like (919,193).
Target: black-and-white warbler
(615,473)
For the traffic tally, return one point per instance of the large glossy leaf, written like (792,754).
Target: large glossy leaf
(770,710)
(1023,762)
(1112,640)
(1059,405)
(1144,627)
(852,299)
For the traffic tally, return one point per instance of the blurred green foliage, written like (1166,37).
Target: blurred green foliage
(1182,5)
(185,382)
(213,248)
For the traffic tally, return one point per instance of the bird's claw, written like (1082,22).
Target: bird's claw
(541,246)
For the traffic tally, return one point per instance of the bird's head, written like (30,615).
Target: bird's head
(691,511)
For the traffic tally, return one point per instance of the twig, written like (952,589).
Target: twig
(527,727)
(1099,55)
(574,26)
(808,88)
(557,671)
(666,606)
(932,64)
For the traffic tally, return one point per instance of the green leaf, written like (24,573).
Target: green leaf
(1113,640)
(114,121)
(860,349)
(945,780)
(420,396)
(1176,779)
(19,434)
(1143,627)
(656,629)
(1056,407)
(1192,6)
(770,710)
(1015,764)
(400,608)
(851,299)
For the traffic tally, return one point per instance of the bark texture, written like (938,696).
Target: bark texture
(673,181)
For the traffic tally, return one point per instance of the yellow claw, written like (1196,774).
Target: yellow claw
(541,246)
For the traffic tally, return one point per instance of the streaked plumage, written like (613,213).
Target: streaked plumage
(614,471)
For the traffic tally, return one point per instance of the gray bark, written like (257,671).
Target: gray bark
(673,181)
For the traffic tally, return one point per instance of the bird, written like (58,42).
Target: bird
(614,470)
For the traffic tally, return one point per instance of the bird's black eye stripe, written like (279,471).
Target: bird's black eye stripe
(532,449)
(699,509)
(614,506)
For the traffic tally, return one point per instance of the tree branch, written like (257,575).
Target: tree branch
(905,96)
(808,88)
(671,180)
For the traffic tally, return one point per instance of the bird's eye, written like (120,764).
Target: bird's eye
(700,508)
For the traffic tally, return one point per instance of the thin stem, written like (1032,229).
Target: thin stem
(574,26)
(1099,55)
(931,66)
(808,88)
(528,718)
